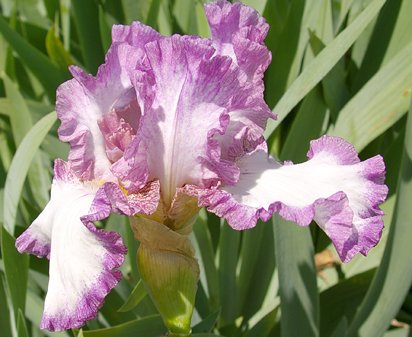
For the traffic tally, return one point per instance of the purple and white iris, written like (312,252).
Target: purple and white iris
(165,116)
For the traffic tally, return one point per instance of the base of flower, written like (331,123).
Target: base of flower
(169,271)
(172,334)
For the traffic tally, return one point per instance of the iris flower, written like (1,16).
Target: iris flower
(167,126)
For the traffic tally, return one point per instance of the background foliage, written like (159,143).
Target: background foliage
(342,67)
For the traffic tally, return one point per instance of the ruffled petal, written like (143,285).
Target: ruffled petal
(333,188)
(82,258)
(36,239)
(239,31)
(189,99)
(83,102)
(110,198)
(184,95)
(136,35)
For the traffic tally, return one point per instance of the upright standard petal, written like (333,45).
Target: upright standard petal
(190,99)
(333,188)
(88,105)
(136,35)
(239,31)
(82,258)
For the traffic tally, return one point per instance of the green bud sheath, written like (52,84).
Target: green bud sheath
(169,270)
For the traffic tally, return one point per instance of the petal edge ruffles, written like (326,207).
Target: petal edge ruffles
(333,188)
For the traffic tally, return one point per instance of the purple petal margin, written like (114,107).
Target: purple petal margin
(93,299)
(28,243)
(349,234)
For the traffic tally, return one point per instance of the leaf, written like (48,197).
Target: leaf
(264,326)
(390,35)
(65,22)
(21,123)
(105,31)
(56,51)
(5,327)
(394,276)
(248,256)
(44,70)
(334,87)
(21,325)
(207,324)
(379,104)
(289,47)
(401,32)
(322,64)
(20,117)
(229,249)
(138,293)
(16,267)
(204,242)
(86,17)
(136,10)
(132,246)
(151,326)
(183,12)
(153,13)
(311,112)
(341,301)
(20,166)
(260,268)
(259,5)
(403,332)
(297,279)
(33,13)
(341,328)
(6,151)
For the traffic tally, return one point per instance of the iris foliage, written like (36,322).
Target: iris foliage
(341,67)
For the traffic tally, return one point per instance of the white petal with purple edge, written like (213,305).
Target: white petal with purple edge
(82,258)
(36,239)
(333,188)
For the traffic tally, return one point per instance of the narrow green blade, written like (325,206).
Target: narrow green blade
(228,256)
(86,16)
(379,104)
(16,267)
(21,122)
(204,242)
(151,326)
(394,276)
(138,293)
(297,279)
(44,70)
(322,64)
(20,166)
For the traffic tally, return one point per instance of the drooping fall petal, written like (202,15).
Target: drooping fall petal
(83,259)
(334,188)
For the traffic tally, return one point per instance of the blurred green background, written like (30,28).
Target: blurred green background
(342,67)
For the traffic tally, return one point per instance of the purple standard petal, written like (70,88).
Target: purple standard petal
(333,188)
(83,258)
(99,115)
(239,31)
(136,35)
(189,100)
